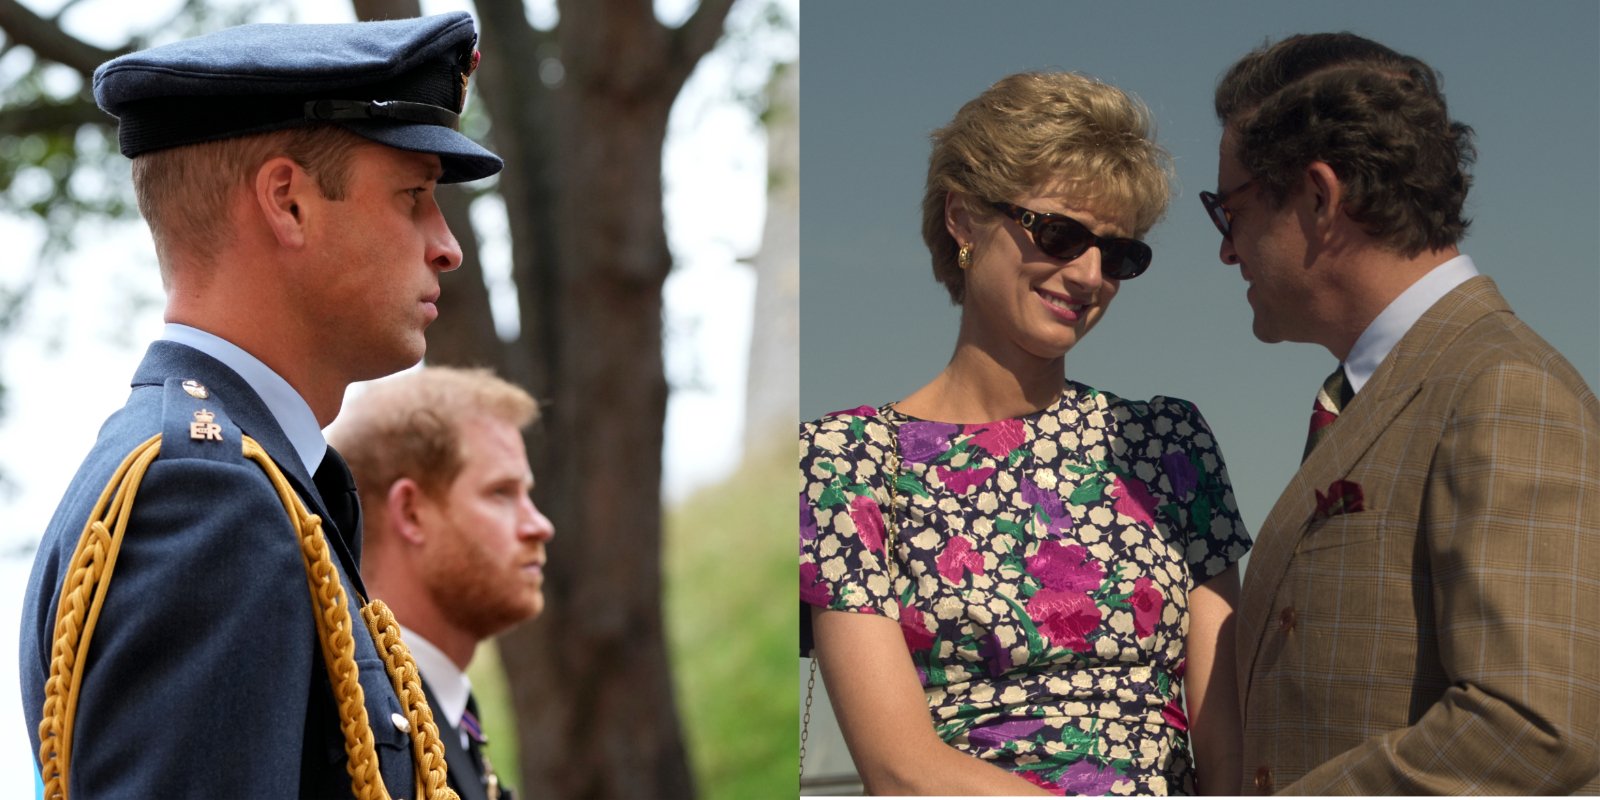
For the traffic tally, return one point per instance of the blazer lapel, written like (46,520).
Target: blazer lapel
(1392,387)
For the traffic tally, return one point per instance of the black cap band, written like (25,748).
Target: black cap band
(328,110)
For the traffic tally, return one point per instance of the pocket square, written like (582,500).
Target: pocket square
(1342,497)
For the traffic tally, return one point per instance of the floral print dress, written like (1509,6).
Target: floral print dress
(1040,573)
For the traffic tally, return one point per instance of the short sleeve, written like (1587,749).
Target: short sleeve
(1199,490)
(842,509)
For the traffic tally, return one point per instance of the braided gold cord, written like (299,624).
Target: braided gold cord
(82,595)
(432,775)
(334,628)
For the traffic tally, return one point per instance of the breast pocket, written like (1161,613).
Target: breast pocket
(1341,532)
(390,729)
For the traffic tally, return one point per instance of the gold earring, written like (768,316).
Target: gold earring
(964,256)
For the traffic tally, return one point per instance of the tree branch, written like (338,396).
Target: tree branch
(53,116)
(700,32)
(47,40)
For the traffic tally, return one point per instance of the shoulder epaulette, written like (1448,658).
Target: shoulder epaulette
(194,424)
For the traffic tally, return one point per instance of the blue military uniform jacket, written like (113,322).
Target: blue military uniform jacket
(204,676)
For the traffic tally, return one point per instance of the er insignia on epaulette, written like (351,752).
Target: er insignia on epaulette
(204,427)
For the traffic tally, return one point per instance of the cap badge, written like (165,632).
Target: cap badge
(204,427)
(195,390)
(471,67)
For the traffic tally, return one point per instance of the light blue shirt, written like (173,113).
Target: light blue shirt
(1385,332)
(286,405)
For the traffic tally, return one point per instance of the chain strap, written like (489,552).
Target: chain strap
(891,481)
(805,719)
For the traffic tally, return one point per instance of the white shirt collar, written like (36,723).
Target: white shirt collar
(286,405)
(1385,332)
(450,685)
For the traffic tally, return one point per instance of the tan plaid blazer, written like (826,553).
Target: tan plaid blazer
(1445,638)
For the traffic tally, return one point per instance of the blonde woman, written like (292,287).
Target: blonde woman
(1017,583)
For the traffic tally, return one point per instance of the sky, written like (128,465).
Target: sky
(881,76)
(67,365)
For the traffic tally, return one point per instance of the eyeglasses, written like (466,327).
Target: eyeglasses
(1216,207)
(1066,238)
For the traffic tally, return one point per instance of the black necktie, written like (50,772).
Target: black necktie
(338,489)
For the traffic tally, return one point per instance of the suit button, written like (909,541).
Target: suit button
(1264,780)
(1287,618)
(401,724)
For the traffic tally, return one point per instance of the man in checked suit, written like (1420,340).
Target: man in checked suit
(287,173)
(1422,611)
(454,543)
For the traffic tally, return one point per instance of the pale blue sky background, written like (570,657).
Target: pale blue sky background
(881,75)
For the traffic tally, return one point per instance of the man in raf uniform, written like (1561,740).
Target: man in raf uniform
(287,173)
(454,543)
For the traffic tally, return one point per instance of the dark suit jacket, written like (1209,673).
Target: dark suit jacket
(1445,638)
(464,775)
(204,678)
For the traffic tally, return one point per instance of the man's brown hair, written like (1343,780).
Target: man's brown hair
(1377,117)
(409,426)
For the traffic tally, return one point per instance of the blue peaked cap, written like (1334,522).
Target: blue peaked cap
(402,83)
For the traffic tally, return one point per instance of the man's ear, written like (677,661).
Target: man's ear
(404,506)
(1326,194)
(280,193)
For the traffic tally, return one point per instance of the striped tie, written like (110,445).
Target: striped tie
(475,750)
(1334,396)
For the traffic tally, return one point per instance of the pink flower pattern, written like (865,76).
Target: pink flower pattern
(1028,560)
(864,512)
(958,559)
(1146,601)
(998,439)
(960,480)
(1134,500)
(1065,618)
(914,627)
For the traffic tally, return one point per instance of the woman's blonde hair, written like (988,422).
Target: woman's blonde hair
(1034,130)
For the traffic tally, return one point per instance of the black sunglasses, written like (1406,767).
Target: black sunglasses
(1216,207)
(1066,238)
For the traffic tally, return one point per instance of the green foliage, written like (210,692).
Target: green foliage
(731,589)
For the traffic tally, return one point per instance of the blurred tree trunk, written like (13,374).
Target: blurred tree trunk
(580,116)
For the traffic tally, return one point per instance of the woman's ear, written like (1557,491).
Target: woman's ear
(957,219)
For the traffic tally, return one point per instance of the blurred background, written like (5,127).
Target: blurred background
(883,75)
(635,266)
